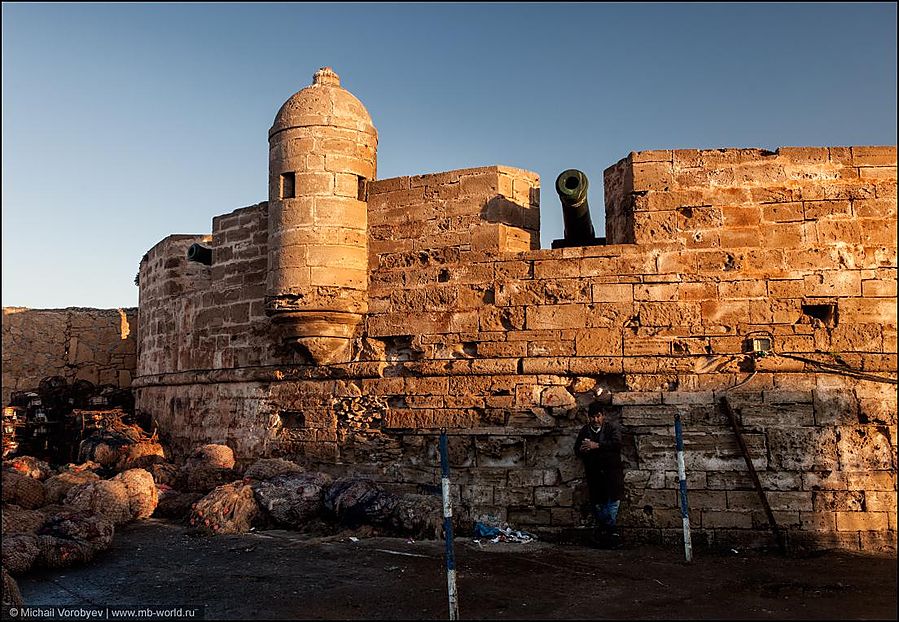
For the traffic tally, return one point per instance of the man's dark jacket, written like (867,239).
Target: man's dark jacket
(605,475)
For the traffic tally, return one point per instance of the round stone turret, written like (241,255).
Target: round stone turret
(322,154)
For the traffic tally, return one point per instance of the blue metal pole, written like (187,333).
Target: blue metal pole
(682,477)
(448,531)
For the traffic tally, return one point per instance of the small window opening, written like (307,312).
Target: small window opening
(362,189)
(288,185)
(827,314)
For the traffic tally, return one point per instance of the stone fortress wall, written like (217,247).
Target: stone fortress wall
(98,345)
(462,322)
(471,327)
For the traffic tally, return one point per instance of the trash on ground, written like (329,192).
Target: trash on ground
(501,534)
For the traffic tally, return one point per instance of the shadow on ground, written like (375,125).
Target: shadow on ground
(285,575)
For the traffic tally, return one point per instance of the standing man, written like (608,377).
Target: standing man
(599,446)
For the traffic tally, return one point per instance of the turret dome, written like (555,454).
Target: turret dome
(324,102)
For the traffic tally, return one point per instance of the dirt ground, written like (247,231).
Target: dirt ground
(285,575)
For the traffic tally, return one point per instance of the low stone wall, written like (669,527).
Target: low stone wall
(98,345)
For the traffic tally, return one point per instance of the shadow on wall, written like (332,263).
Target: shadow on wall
(825,460)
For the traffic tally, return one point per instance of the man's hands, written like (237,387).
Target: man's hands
(587,445)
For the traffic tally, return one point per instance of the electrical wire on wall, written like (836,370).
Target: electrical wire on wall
(821,366)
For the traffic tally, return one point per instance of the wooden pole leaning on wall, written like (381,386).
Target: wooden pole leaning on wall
(448,530)
(682,492)
(735,426)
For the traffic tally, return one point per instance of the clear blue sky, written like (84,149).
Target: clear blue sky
(124,123)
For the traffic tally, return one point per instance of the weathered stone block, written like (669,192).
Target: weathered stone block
(711,519)
(499,452)
(862,521)
(866,448)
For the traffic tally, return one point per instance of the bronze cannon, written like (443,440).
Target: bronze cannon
(200,253)
(571,185)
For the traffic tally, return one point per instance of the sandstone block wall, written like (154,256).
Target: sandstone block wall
(98,345)
(471,327)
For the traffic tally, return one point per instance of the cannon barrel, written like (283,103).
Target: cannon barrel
(200,253)
(572,188)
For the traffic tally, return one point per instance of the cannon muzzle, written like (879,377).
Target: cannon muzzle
(572,188)
(200,253)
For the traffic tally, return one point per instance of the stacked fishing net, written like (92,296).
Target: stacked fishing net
(293,499)
(60,538)
(22,490)
(29,467)
(207,467)
(231,508)
(73,537)
(267,468)
(59,485)
(285,495)
(164,473)
(11,595)
(128,496)
(175,504)
(119,446)
(420,516)
(20,551)
(20,520)
(70,517)
(355,501)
